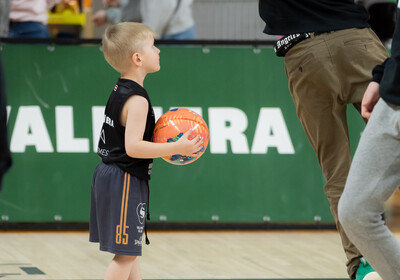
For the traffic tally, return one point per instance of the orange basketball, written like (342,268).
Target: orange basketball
(173,124)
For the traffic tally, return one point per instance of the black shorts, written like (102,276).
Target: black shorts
(118,210)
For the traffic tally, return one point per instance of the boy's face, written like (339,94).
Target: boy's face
(150,56)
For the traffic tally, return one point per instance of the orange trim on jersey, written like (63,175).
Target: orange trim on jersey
(121,234)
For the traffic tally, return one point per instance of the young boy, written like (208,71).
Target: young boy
(120,181)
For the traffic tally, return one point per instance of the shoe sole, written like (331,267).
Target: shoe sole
(372,276)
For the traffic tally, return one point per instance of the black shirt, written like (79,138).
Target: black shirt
(111,147)
(389,88)
(284,17)
(5,154)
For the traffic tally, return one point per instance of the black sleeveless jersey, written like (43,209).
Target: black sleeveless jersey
(111,147)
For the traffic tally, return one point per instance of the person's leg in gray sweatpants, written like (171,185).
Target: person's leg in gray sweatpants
(374,176)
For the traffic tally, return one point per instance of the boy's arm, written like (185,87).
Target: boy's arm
(134,116)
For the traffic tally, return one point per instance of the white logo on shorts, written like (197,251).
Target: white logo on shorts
(141,212)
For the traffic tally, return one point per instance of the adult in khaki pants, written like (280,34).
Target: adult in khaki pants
(329,52)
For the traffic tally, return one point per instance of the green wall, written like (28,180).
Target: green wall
(258,164)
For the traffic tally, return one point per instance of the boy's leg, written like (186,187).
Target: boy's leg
(135,271)
(123,268)
(373,177)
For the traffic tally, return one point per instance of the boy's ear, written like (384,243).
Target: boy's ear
(136,60)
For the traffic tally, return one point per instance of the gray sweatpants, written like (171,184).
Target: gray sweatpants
(374,176)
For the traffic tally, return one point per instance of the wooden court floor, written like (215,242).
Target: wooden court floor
(179,255)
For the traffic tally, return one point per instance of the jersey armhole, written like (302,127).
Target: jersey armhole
(123,102)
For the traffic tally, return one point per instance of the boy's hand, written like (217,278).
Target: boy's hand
(189,147)
(371,97)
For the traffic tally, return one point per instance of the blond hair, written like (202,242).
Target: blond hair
(122,40)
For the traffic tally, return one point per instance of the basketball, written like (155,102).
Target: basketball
(173,124)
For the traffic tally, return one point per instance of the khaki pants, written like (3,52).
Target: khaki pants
(326,72)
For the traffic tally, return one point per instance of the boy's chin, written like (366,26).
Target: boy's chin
(156,69)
